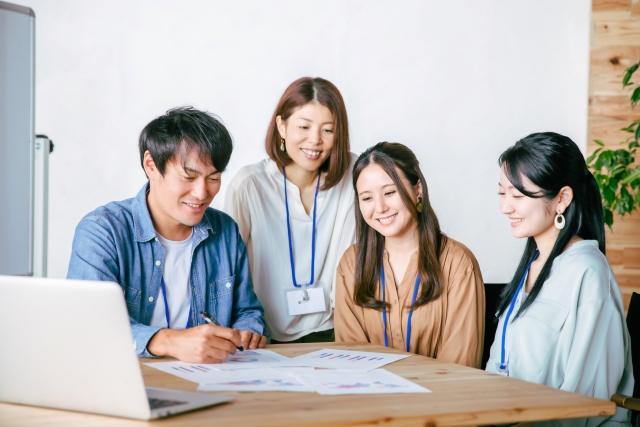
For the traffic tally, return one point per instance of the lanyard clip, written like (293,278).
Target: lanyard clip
(305,294)
(503,369)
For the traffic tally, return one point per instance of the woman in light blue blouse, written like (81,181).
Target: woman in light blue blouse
(561,319)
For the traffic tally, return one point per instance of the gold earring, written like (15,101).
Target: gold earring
(419,204)
(282,147)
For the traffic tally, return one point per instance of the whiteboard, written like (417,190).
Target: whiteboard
(16,138)
(456,81)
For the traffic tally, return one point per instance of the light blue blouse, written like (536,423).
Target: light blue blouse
(574,336)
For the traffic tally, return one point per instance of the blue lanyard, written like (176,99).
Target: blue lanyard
(384,310)
(513,303)
(313,234)
(166,307)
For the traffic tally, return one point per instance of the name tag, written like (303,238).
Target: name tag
(299,305)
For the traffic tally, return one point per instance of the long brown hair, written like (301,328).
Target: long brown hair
(431,241)
(298,94)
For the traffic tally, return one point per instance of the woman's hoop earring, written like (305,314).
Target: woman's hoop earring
(282,147)
(419,204)
(559,222)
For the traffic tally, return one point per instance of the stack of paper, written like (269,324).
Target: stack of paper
(342,372)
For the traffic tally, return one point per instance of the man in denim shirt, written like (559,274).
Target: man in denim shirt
(171,253)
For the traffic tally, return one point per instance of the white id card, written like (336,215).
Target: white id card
(298,305)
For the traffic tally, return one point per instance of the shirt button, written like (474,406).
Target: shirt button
(158,263)
(150,299)
(395,334)
(228,285)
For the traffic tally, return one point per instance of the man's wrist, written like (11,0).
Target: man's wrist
(159,344)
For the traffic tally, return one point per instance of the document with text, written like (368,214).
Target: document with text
(255,380)
(377,381)
(344,359)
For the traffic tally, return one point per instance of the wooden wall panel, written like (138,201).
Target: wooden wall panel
(615,45)
(607,66)
(623,32)
(609,6)
(616,107)
(607,130)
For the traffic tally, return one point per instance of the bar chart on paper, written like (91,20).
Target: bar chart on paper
(348,360)
(251,359)
(204,373)
(377,381)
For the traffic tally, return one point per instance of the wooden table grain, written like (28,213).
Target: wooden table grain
(461,396)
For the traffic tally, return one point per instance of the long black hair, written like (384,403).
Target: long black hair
(389,156)
(552,161)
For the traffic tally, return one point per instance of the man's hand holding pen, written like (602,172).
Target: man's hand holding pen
(209,343)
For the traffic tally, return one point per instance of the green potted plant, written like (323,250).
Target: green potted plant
(614,170)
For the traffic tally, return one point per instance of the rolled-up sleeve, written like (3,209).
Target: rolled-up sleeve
(463,329)
(94,257)
(248,314)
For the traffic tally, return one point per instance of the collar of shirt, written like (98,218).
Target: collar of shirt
(143,229)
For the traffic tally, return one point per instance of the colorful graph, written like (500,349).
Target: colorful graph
(192,368)
(249,356)
(347,356)
(264,383)
(356,360)
(238,359)
(360,385)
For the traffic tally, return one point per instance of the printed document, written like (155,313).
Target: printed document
(377,381)
(344,359)
(255,380)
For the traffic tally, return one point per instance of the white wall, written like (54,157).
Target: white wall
(457,81)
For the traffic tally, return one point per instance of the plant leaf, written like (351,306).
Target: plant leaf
(604,160)
(608,217)
(628,73)
(600,143)
(635,97)
(631,177)
(625,204)
(593,156)
(609,195)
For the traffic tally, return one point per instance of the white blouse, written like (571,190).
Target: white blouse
(574,336)
(255,199)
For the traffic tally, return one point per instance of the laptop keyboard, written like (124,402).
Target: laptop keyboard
(163,403)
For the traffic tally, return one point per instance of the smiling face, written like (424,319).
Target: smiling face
(308,135)
(381,205)
(178,200)
(530,217)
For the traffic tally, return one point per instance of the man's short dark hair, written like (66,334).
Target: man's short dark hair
(181,130)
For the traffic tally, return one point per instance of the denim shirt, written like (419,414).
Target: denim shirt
(118,243)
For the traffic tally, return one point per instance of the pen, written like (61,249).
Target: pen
(210,320)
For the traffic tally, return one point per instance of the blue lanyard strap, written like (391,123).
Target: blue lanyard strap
(166,307)
(384,310)
(313,234)
(511,306)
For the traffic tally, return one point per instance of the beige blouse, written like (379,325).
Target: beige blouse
(450,328)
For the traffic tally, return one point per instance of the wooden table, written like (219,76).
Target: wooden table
(461,396)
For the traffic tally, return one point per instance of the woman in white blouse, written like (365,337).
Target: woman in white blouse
(295,211)
(561,319)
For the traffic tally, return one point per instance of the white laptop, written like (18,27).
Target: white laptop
(67,344)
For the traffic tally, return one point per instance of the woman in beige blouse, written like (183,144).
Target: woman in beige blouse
(427,297)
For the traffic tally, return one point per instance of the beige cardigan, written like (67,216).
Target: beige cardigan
(450,328)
